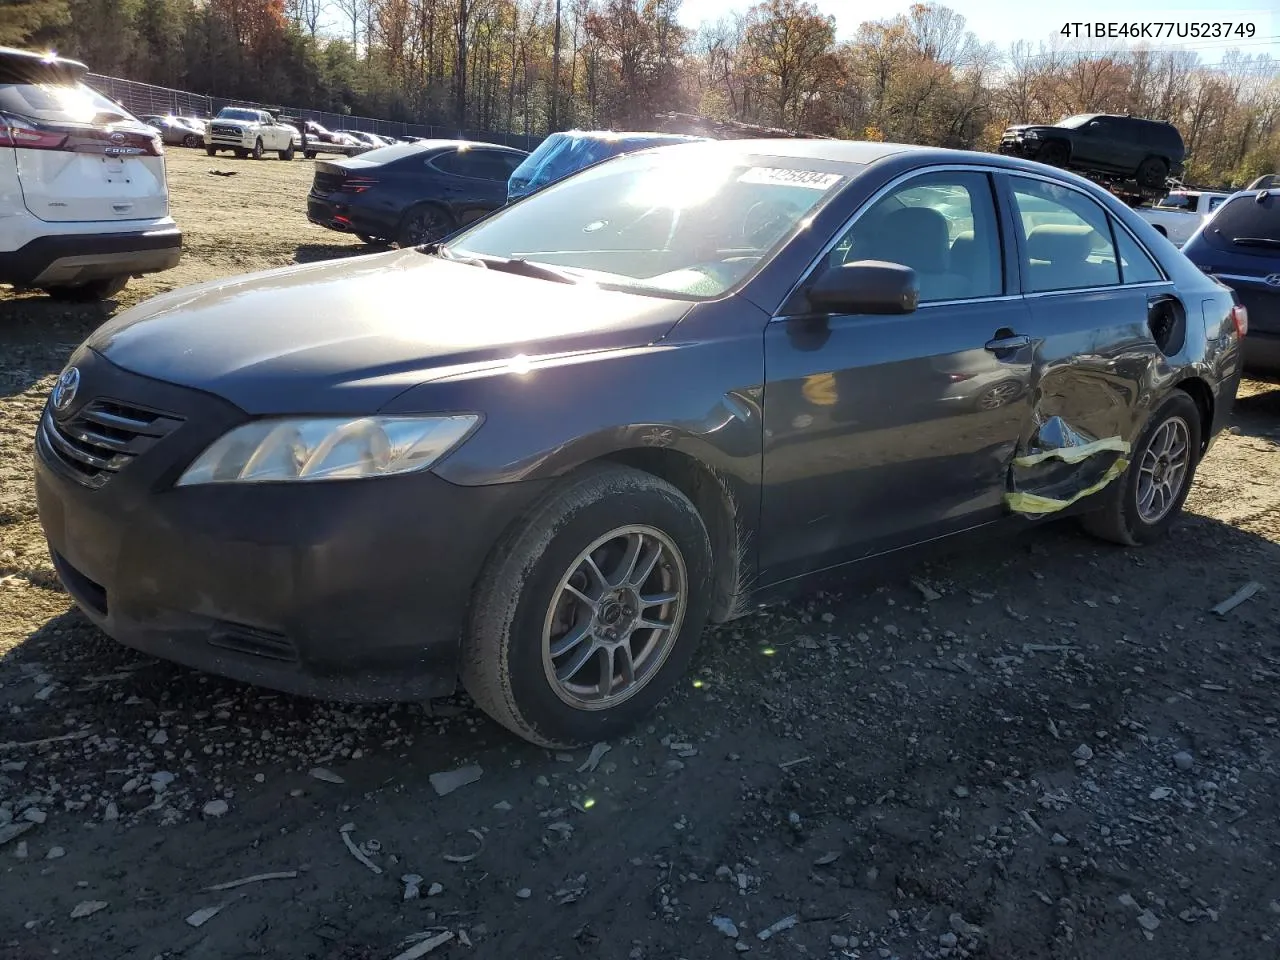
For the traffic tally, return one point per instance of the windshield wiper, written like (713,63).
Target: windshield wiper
(1255,242)
(517,265)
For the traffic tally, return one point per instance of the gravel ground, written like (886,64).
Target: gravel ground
(1046,749)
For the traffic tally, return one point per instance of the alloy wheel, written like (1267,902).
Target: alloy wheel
(1163,470)
(614,617)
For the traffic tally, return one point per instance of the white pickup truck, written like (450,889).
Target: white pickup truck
(1180,214)
(249,133)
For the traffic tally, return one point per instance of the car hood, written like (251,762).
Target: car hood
(348,336)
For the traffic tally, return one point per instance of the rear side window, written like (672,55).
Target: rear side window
(1067,238)
(59,103)
(1135,265)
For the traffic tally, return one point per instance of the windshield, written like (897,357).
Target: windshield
(1179,201)
(1247,224)
(1078,120)
(680,224)
(59,103)
(558,155)
(231,113)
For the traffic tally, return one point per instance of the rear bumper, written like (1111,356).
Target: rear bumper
(71,259)
(1262,353)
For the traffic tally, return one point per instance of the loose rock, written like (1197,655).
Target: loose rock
(215,808)
(725,926)
(448,781)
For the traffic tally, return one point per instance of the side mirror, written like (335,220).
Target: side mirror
(867,287)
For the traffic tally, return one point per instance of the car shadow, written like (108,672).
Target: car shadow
(39,334)
(316,252)
(1257,409)
(98,720)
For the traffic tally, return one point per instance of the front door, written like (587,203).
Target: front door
(886,430)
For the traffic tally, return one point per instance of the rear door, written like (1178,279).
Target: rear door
(1098,306)
(79,157)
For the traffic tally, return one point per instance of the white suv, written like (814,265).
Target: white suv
(84,202)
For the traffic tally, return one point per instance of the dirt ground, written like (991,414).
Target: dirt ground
(1046,749)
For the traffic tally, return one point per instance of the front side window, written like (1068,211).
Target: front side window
(943,226)
(1066,238)
(690,223)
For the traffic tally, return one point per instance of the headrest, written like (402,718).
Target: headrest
(1060,243)
(916,237)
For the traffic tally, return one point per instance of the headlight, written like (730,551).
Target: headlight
(327,448)
(1031,135)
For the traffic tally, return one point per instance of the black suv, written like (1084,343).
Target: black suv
(1149,151)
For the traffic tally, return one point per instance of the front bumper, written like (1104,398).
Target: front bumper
(353,590)
(71,259)
(1027,149)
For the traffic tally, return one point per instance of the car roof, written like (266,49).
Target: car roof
(15,62)
(464,145)
(622,135)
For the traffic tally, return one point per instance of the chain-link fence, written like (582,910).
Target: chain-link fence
(144,99)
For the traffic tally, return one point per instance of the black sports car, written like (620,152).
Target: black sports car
(411,193)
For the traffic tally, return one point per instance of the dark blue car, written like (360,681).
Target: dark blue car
(564,153)
(1240,246)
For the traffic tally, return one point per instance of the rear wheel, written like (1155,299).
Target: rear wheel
(424,223)
(1146,500)
(287,154)
(103,289)
(309,154)
(211,151)
(1153,172)
(257,149)
(241,154)
(191,140)
(589,612)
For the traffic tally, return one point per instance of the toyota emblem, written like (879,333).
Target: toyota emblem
(64,391)
(1273,280)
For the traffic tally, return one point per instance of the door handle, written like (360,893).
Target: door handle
(1014,341)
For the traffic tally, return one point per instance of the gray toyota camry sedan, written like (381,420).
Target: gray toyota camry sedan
(539,457)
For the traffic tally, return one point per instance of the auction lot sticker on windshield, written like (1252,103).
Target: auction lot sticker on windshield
(790,178)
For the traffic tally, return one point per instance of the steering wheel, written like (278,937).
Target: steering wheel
(766,218)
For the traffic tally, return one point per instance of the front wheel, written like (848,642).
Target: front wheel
(191,140)
(257,149)
(1054,153)
(287,154)
(1146,500)
(588,613)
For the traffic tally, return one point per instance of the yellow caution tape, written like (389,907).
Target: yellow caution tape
(1074,454)
(1035,504)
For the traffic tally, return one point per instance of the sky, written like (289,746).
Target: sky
(1006,21)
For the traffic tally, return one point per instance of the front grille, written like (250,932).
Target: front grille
(103,438)
(327,183)
(221,130)
(254,641)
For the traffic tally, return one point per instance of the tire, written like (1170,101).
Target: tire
(241,154)
(1121,520)
(424,223)
(211,151)
(103,289)
(1054,153)
(191,140)
(309,154)
(287,154)
(256,153)
(524,590)
(998,395)
(1152,172)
